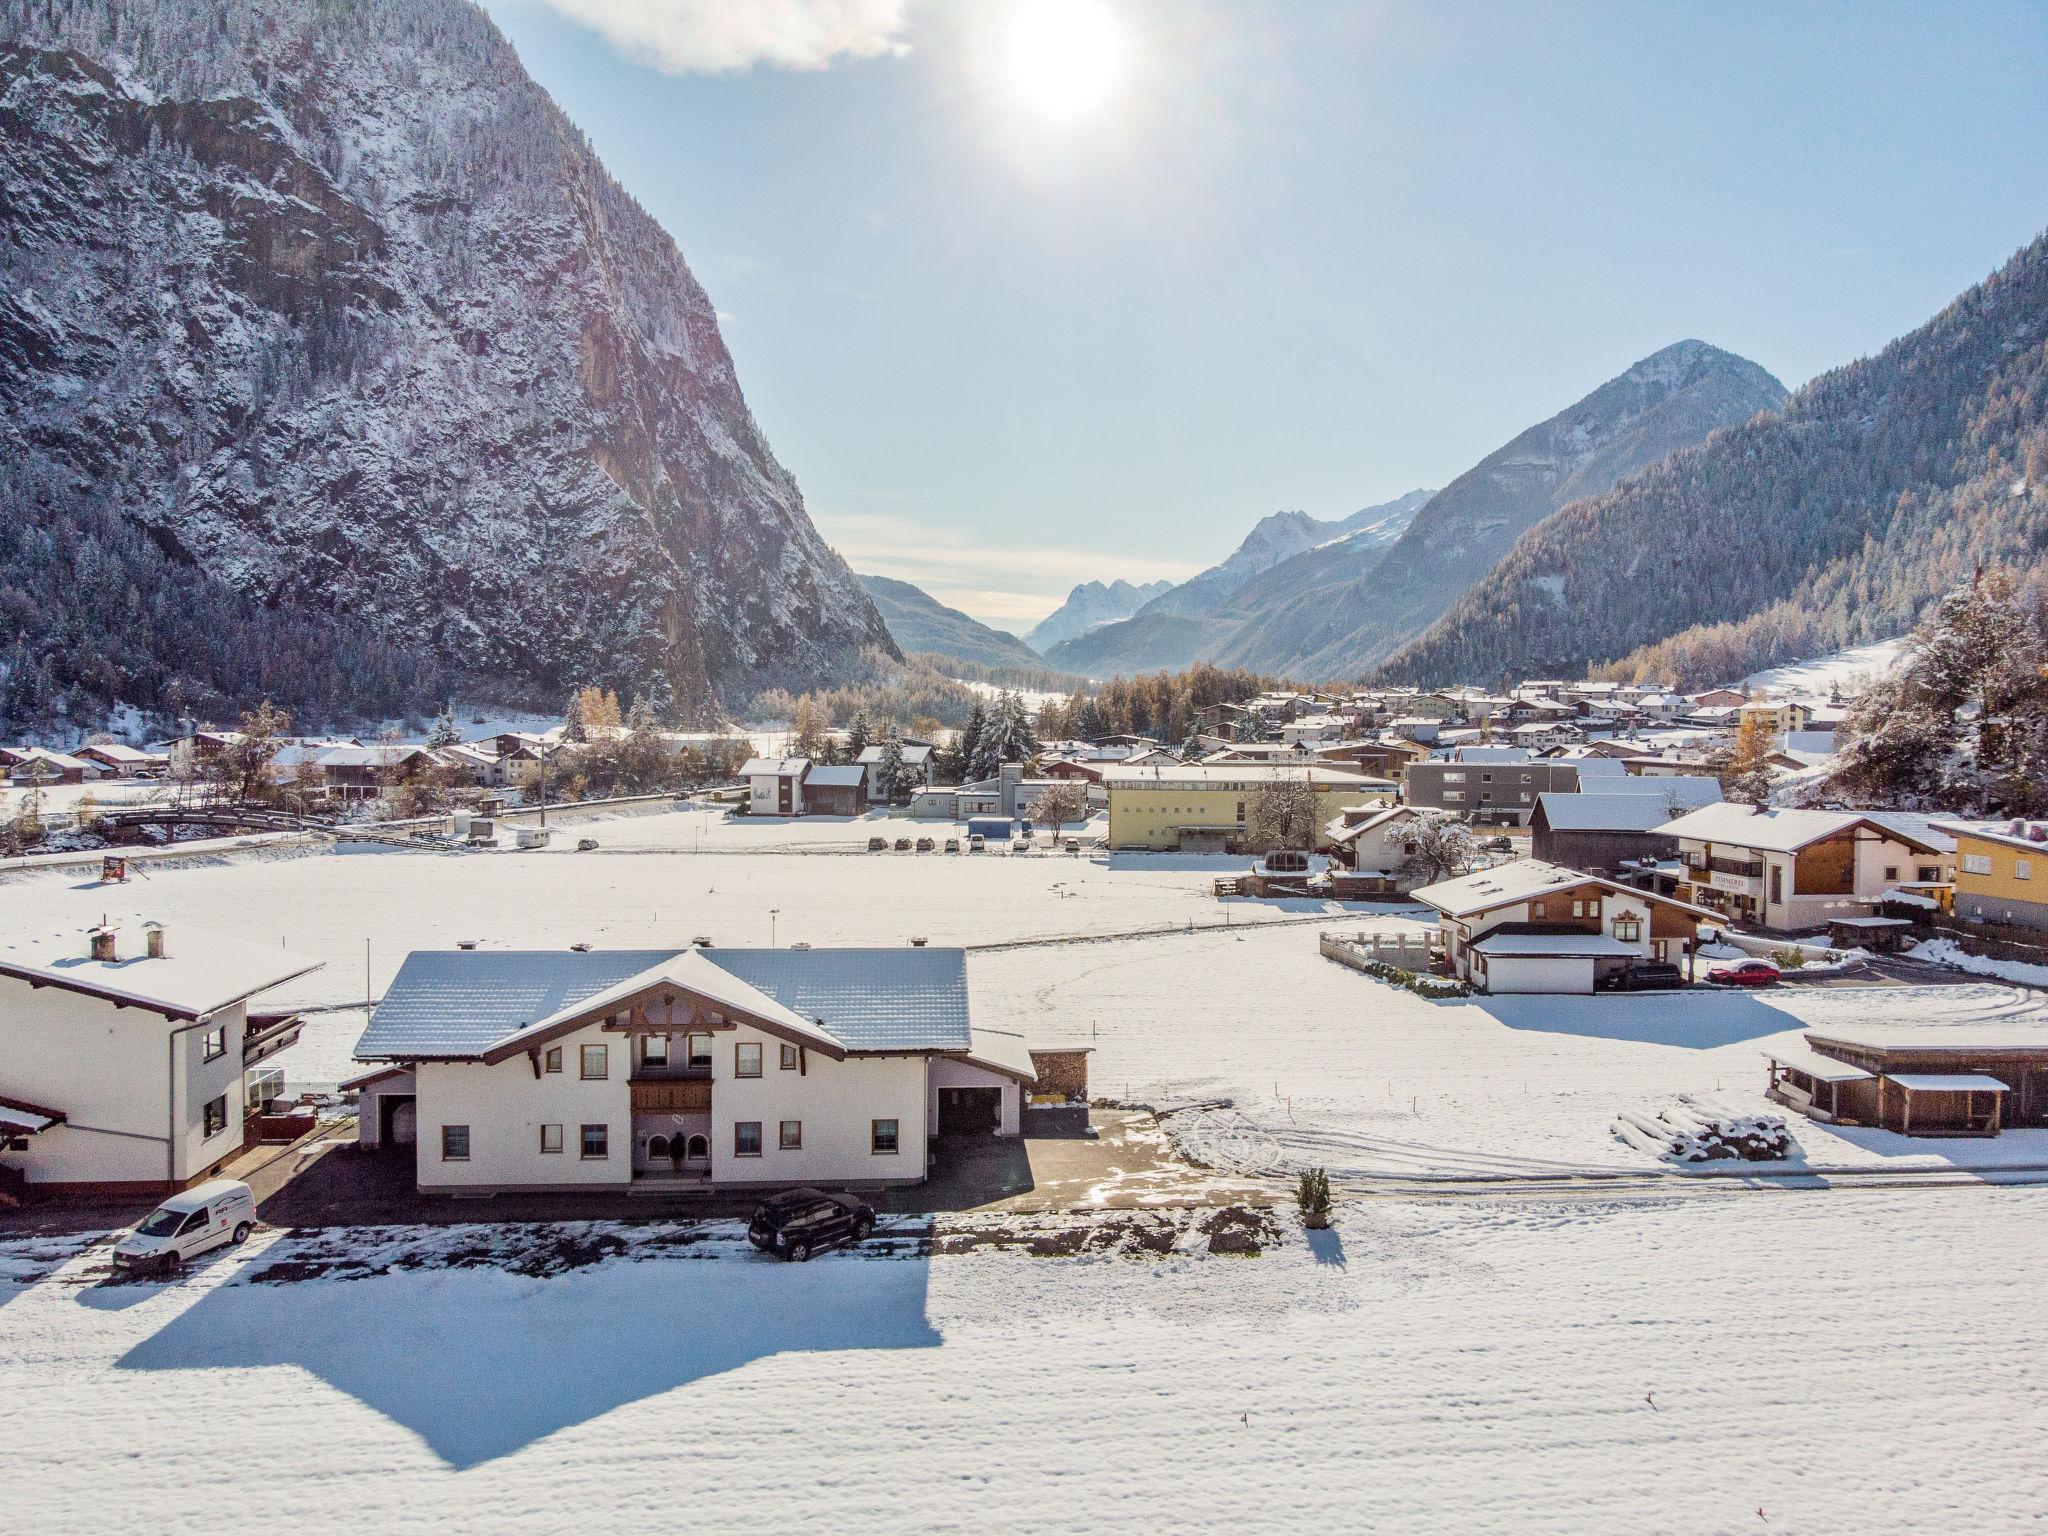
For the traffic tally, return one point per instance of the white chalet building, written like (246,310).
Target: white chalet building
(719,1067)
(124,1051)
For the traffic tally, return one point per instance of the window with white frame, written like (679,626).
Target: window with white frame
(1977,863)
(2023,869)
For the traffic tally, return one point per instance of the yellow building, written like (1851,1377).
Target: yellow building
(2001,871)
(1201,807)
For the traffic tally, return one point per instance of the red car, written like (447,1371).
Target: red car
(1745,973)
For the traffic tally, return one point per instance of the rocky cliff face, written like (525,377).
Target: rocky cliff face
(329,302)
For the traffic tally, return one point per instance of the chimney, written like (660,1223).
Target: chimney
(153,937)
(103,938)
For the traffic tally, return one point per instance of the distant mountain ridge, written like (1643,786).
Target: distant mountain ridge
(1090,605)
(920,622)
(1672,399)
(1187,622)
(1831,524)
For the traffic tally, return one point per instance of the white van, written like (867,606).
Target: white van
(204,1217)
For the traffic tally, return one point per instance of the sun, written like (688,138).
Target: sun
(1065,58)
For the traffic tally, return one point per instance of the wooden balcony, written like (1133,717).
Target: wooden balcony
(672,1095)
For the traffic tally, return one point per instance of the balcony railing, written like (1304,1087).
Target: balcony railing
(671,1095)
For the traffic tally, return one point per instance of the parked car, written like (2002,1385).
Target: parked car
(925,845)
(1073,845)
(1745,973)
(878,845)
(1644,976)
(797,1223)
(1499,845)
(903,845)
(976,842)
(1020,845)
(952,845)
(195,1221)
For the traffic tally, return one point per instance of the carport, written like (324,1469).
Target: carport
(1546,962)
(386,1105)
(980,1092)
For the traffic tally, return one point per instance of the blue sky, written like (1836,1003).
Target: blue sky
(1296,254)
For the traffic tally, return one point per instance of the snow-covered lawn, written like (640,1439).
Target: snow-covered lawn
(1814,677)
(1334,1068)
(1789,1363)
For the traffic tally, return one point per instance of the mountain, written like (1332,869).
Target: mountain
(1881,485)
(1196,619)
(1670,400)
(920,622)
(1089,606)
(337,369)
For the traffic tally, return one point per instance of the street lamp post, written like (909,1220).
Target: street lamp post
(772,911)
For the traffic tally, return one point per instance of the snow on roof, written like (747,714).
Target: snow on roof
(914,753)
(1491,755)
(121,752)
(459,1003)
(18,1117)
(1947,1082)
(382,754)
(1801,1057)
(688,971)
(1778,829)
(1002,1051)
(1961,1039)
(1338,832)
(794,766)
(2030,835)
(1220,775)
(1631,804)
(200,971)
(1506,884)
(845,775)
(1551,946)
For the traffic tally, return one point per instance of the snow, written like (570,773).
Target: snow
(1546,1367)
(1948,952)
(1486,1362)
(1816,677)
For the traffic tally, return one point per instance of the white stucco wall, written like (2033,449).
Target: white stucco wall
(836,1102)
(505,1106)
(1539,974)
(132,1083)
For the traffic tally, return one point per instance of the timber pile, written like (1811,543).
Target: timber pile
(1697,1130)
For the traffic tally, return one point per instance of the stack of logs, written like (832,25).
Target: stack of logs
(1697,1130)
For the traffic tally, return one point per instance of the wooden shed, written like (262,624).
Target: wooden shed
(1918,1081)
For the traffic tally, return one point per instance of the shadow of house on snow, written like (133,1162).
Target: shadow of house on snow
(480,1363)
(1698,1019)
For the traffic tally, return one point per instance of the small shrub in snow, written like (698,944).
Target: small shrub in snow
(1312,1193)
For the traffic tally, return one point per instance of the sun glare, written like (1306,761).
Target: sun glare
(1065,57)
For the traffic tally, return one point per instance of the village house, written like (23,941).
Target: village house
(1489,787)
(723,1068)
(1369,847)
(1790,870)
(835,789)
(362,773)
(1614,821)
(2001,871)
(775,785)
(1534,927)
(918,764)
(39,765)
(125,761)
(124,1053)
(1202,807)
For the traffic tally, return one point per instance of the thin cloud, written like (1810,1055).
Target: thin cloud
(708,37)
(1008,588)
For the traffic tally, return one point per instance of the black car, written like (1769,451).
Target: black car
(1645,976)
(797,1223)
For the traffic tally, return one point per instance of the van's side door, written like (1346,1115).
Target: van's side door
(194,1234)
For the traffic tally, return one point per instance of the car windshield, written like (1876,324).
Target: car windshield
(162,1222)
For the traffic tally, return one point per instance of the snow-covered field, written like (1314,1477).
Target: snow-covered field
(1714,1360)
(1837,669)
(1777,1362)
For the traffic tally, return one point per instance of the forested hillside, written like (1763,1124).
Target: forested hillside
(1881,485)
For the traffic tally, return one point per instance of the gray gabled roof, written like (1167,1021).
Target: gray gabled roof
(459,1003)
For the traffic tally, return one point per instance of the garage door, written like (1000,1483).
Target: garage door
(970,1111)
(1527,973)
